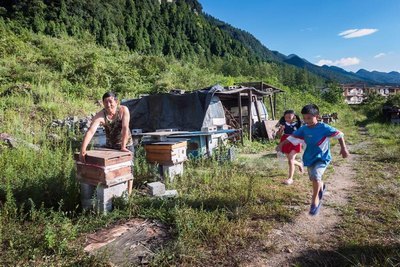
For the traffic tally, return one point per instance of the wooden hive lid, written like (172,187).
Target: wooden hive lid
(165,145)
(105,157)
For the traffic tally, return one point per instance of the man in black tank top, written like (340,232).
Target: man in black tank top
(115,119)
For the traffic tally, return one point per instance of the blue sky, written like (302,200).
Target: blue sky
(351,34)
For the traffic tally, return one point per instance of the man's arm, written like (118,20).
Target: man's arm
(125,128)
(89,135)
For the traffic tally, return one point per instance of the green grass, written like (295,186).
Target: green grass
(370,230)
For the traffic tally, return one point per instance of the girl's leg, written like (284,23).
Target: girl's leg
(297,163)
(291,163)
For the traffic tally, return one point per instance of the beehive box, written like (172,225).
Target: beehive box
(105,166)
(166,152)
(105,157)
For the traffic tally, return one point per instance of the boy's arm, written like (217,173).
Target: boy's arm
(336,134)
(343,148)
(296,138)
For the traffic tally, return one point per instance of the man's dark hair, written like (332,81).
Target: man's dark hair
(311,109)
(110,94)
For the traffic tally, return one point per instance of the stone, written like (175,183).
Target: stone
(100,197)
(170,193)
(156,188)
(170,171)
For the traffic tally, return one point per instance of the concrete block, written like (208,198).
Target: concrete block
(156,188)
(105,195)
(100,197)
(170,171)
(170,193)
(209,128)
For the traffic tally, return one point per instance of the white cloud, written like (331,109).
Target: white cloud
(355,33)
(343,62)
(380,55)
(348,32)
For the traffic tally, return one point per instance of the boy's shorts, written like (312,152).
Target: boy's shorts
(316,170)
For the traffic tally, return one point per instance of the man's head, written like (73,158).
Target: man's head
(110,101)
(310,114)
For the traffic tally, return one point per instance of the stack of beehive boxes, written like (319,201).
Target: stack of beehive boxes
(105,174)
(168,155)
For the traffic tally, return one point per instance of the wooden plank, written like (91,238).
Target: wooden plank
(93,172)
(161,157)
(107,183)
(250,113)
(169,154)
(240,118)
(165,145)
(271,129)
(166,133)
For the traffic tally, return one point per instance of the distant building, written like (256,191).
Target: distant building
(356,93)
(384,90)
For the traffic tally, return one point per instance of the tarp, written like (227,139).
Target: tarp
(184,112)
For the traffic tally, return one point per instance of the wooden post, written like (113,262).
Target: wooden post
(271,104)
(240,117)
(249,111)
(273,114)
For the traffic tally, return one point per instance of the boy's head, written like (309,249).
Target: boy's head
(310,114)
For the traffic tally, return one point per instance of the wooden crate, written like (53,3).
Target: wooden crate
(104,166)
(102,175)
(105,157)
(166,152)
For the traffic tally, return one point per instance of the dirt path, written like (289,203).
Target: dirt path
(308,235)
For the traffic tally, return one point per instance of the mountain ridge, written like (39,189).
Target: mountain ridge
(179,28)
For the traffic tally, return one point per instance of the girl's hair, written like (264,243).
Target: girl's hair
(290,111)
(110,94)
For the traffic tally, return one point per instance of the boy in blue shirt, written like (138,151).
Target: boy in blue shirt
(317,155)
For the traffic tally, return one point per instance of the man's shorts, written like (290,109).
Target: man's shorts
(316,170)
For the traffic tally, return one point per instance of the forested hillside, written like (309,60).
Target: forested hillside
(149,27)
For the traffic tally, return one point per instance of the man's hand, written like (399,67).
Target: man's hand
(124,149)
(344,152)
(82,155)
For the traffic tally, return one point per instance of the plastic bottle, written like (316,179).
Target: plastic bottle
(281,159)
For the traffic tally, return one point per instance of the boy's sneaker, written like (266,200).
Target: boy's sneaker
(315,209)
(322,192)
